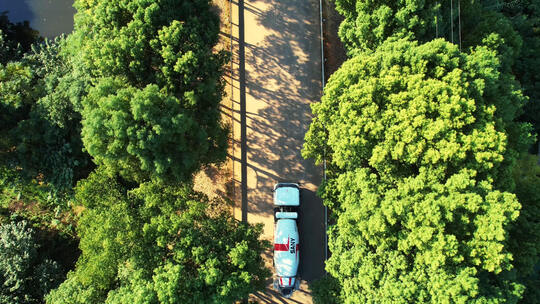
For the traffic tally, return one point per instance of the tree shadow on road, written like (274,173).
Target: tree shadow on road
(284,72)
(282,78)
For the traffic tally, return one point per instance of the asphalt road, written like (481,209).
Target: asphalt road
(276,76)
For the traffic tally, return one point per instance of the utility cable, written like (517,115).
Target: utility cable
(459,22)
(451,21)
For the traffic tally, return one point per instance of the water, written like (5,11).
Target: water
(50,17)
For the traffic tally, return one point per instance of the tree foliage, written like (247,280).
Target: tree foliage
(153,112)
(413,141)
(159,244)
(326,290)
(25,275)
(406,106)
(142,133)
(7,49)
(40,127)
(421,143)
(18,93)
(525,17)
(510,27)
(524,238)
(368,23)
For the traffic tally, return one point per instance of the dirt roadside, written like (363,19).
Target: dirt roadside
(217,180)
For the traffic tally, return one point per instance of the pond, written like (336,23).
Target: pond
(50,17)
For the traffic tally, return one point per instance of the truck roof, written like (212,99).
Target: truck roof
(287,196)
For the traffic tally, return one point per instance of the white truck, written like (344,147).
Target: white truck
(286,240)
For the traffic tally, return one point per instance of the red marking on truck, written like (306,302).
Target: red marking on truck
(282,247)
(281,281)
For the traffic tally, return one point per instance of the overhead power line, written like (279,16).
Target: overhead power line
(451,21)
(459,22)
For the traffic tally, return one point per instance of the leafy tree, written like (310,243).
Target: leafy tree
(524,239)
(7,50)
(326,290)
(532,294)
(525,17)
(40,127)
(159,244)
(56,151)
(25,275)
(142,133)
(368,23)
(153,112)
(510,27)
(373,99)
(421,141)
(481,23)
(398,146)
(18,93)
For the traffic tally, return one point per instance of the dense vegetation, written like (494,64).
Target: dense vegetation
(431,188)
(153,109)
(159,244)
(100,135)
(39,119)
(31,264)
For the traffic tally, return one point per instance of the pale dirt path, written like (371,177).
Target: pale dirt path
(278,78)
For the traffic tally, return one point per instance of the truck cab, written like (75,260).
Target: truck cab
(286,237)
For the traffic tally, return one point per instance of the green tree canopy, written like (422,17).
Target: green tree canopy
(159,244)
(368,23)
(326,290)
(142,133)
(525,17)
(26,276)
(40,128)
(524,239)
(153,111)
(406,106)
(421,142)
(510,27)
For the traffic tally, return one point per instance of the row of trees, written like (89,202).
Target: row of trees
(108,125)
(434,197)
(159,244)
